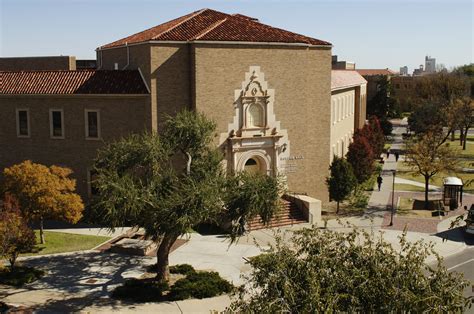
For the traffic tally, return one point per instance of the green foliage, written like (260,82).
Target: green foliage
(341,181)
(183,269)
(386,126)
(425,118)
(250,195)
(199,285)
(19,276)
(381,104)
(324,271)
(361,157)
(167,185)
(358,198)
(15,235)
(141,290)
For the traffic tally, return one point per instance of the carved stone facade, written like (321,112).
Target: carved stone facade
(255,140)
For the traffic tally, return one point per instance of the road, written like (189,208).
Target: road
(464,262)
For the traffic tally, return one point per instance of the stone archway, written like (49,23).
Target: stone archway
(255,165)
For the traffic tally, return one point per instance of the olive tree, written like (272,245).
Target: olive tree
(168,184)
(324,271)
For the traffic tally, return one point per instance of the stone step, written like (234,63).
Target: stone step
(289,214)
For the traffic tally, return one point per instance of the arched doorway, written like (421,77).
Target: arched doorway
(254,165)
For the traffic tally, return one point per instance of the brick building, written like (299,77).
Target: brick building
(269,91)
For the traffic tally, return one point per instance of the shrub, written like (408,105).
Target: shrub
(183,269)
(141,290)
(19,276)
(358,198)
(199,285)
(15,235)
(3,307)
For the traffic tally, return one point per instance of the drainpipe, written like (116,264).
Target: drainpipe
(128,56)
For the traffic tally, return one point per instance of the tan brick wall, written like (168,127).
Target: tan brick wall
(38,63)
(170,80)
(119,116)
(301,80)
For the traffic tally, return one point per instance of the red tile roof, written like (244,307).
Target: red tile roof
(369,72)
(210,25)
(72,82)
(345,78)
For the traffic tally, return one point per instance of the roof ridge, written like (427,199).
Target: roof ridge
(210,28)
(180,23)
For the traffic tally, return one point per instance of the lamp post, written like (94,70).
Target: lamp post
(393,196)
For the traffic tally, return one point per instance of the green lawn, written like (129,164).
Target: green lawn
(57,242)
(408,187)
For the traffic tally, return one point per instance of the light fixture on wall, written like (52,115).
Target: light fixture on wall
(283,147)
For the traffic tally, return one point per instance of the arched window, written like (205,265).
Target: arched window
(255,116)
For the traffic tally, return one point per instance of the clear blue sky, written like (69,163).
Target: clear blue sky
(373,33)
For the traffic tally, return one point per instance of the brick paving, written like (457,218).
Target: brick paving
(424,225)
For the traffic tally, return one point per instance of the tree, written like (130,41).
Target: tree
(15,235)
(428,158)
(437,107)
(382,104)
(44,192)
(386,126)
(374,134)
(168,184)
(465,119)
(341,181)
(361,157)
(324,271)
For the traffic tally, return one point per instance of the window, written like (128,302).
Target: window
(22,123)
(255,116)
(56,123)
(92,122)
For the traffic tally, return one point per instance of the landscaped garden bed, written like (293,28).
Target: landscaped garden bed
(184,283)
(19,276)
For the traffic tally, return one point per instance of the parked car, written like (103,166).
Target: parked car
(469,228)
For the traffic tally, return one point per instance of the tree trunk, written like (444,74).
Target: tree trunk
(461,136)
(162,270)
(42,241)
(427,184)
(465,139)
(12,261)
(452,136)
(337,207)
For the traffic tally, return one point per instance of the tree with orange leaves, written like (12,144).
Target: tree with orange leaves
(44,192)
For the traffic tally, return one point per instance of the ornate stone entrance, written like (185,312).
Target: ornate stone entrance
(255,141)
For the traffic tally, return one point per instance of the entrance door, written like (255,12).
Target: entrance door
(253,166)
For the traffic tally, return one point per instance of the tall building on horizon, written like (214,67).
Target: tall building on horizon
(430,64)
(404,71)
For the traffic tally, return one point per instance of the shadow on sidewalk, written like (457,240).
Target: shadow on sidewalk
(456,235)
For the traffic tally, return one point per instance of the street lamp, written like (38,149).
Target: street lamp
(393,196)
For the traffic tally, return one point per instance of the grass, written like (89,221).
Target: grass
(409,187)
(405,209)
(57,242)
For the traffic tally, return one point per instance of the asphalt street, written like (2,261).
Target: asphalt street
(464,262)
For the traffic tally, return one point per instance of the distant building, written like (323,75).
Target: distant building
(50,63)
(342,65)
(374,77)
(404,71)
(430,65)
(419,71)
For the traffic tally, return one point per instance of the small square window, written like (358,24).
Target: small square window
(56,123)
(22,123)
